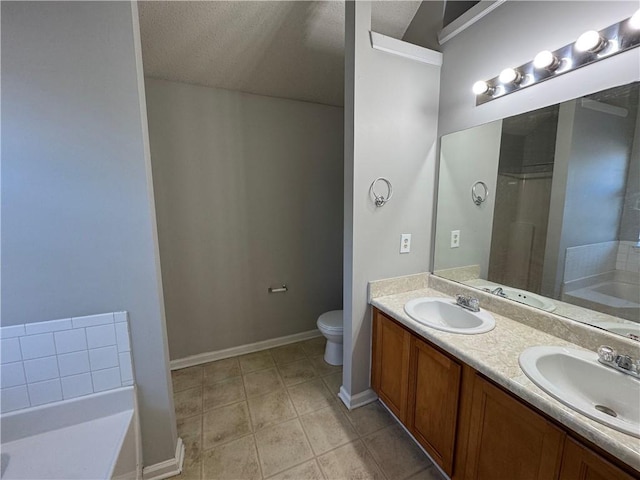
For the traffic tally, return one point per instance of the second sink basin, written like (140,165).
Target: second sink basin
(577,379)
(444,314)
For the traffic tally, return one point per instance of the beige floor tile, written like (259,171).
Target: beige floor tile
(253,362)
(310,396)
(223,393)
(315,346)
(186,378)
(190,427)
(235,460)
(262,382)
(270,409)
(297,372)
(369,418)
(215,372)
(191,471)
(188,402)
(333,382)
(190,430)
(225,424)
(327,429)
(322,367)
(350,462)
(431,473)
(282,446)
(398,456)
(288,353)
(306,471)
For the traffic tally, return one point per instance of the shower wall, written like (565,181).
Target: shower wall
(523,193)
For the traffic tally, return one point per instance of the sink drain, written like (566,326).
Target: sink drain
(606,410)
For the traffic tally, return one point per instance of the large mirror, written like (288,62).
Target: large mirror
(544,208)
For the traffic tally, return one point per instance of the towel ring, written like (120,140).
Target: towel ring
(380,200)
(478,198)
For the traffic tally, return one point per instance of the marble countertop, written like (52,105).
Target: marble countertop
(495,355)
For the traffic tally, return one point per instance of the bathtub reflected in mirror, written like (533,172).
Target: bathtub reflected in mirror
(560,228)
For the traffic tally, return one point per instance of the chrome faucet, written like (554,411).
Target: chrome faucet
(496,291)
(623,363)
(468,302)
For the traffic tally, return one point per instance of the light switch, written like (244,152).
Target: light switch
(405,243)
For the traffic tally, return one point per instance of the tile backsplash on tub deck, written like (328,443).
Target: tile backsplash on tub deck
(56,360)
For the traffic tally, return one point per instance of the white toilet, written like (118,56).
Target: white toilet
(330,324)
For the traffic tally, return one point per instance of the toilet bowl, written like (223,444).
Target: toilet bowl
(330,325)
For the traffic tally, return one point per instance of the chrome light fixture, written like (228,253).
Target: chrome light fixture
(590,41)
(634,21)
(546,60)
(590,47)
(481,87)
(510,75)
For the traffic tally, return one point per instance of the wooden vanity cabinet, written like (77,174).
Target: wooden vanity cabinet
(471,427)
(434,391)
(390,359)
(582,463)
(507,439)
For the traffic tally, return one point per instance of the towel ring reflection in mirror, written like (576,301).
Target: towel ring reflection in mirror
(479,192)
(380,200)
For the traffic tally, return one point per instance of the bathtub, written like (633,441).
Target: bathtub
(92,437)
(615,293)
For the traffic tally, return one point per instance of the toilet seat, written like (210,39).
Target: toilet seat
(331,321)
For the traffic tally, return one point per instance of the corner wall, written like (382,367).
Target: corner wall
(78,223)
(391,108)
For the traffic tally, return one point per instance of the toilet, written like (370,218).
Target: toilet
(330,324)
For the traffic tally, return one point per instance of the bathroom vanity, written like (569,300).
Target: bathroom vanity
(465,399)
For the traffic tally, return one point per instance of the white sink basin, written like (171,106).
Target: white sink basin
(523,296)
(444,314)
(630,330)
(577,379)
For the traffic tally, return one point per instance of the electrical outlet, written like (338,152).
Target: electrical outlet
(405,243)
(455,238)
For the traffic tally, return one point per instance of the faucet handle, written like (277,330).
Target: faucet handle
(607,354)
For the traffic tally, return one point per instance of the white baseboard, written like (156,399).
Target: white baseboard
(358,400)
(241,350)
(168,468)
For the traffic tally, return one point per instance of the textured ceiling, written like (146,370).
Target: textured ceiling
(290,49)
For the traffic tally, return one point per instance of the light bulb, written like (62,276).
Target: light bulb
(546,59)
(590,41)
(481,87)
(510,75)
(634,21)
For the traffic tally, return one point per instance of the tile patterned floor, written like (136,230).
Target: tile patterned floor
(275,415)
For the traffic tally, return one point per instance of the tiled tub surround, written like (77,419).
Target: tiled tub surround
(50,361)
(495,354)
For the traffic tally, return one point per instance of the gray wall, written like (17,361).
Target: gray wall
(630,222)
(592,161)
(512,35)
(249,195)
(391,108)
(78,226)
(465,158)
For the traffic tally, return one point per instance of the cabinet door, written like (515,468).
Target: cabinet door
(433,401)
(582,463)
(390,371)
(508,440)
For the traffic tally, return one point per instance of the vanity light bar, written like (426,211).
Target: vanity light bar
(590,47)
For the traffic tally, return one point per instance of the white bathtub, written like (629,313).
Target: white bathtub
(92,437)
(615,293)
